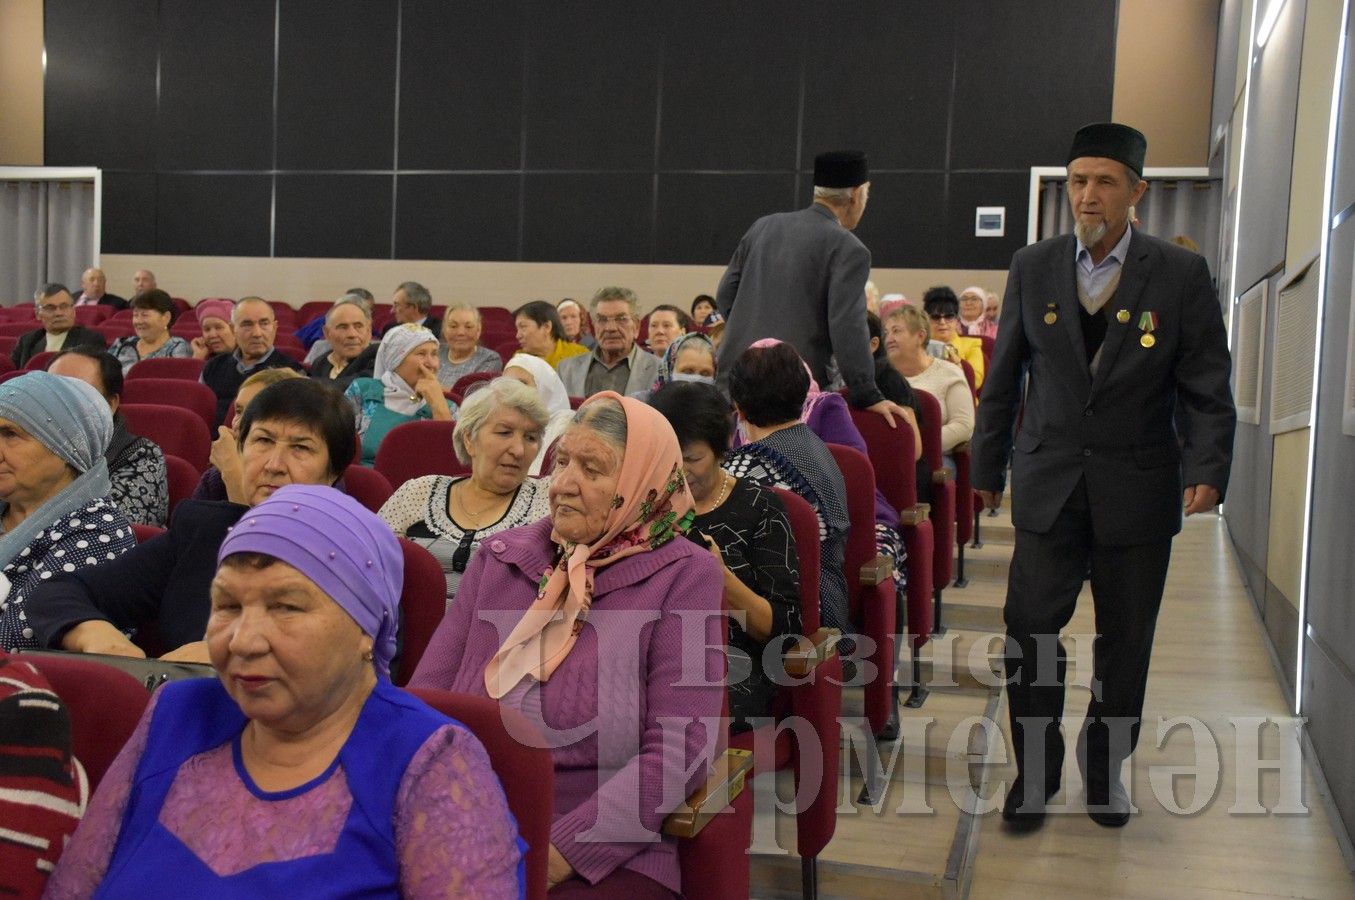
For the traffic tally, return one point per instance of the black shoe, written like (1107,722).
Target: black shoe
(1108,805)
(1022,813)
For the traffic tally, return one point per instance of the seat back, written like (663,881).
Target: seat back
(465,382)
(183,480)
(942,493)
(193,396)
(105,705)
(145,532)
(507,350)
(423,603)
(412,449)
(873,605)
(92,315)
(804,527)
(891,455)
(39,361)
(524,766)
(178,431)
(367,486)
(165,367)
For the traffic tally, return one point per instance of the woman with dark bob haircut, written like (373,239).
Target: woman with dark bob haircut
(541,333)
(152,314)
(744,525)
(769,386)
(297,431)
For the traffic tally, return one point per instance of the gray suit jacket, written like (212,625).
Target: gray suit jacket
(801,277)
(644,368)
(1118,429)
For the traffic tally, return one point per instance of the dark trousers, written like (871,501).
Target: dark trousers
(1046,575)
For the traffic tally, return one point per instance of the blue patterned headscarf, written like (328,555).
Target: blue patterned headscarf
(73,421)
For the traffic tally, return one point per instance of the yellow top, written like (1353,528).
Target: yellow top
(970,349)
(564,350)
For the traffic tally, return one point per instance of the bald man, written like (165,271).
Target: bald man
(92,293)
(143,280)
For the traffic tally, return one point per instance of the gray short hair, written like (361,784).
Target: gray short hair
(607,418)
(417,294)
(462,307)
(833,194)
(480,405)
(615,293)
(47,290)
(349,300)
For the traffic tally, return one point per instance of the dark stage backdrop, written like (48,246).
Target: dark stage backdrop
(615,131)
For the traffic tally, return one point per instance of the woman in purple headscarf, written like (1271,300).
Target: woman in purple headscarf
(301,770)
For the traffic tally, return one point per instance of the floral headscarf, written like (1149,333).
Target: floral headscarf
(651,507)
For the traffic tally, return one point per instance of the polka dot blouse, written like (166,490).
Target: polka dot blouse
(87,537)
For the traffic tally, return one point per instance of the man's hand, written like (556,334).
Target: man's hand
(889,410)
(991,499)
(99,636)
(1200,498)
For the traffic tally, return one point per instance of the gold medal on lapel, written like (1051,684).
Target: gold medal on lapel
(1051,317)
(1148,340)
(1122,316)
(1148,324)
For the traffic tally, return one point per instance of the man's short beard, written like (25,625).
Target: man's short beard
(1090,235)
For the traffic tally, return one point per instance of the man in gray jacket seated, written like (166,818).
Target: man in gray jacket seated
(617,363)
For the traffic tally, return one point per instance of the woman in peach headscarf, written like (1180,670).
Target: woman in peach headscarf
(602,623)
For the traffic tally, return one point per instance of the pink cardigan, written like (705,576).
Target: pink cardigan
(658,615)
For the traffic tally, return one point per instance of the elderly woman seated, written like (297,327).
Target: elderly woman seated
(746,529)
(906,335)
(769,386)
(538,374)
(689,357)
(298,431)
(461,354)
(498,432)
(225,455)
(300,770)
(152,314)
(577,327)
(138,483)
(593,621)
(54,487)
(404,387)
(218,331)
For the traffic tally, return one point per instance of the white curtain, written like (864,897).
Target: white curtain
(46,234)
(1171,207)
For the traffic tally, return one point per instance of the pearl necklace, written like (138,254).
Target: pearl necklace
(724,489)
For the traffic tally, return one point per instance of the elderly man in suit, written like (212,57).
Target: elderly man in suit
(801,277)
(55,309)
(617,363)
(1123,341)
(93,284)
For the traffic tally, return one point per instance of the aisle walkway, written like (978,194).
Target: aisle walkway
(1209,662)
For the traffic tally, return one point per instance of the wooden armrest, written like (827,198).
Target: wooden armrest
(941,476)
(915,515)
(724,783)
(878,571)
(808,652)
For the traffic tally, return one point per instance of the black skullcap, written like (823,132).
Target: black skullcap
(1111,140)
(840,169)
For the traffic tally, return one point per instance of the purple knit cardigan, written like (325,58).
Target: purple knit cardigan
(633,727)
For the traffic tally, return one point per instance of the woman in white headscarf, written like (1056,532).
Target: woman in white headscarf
(535,372)
(54,488)
(404,387)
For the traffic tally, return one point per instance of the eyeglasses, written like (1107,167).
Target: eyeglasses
(604,321)
(941,317)
(48,310)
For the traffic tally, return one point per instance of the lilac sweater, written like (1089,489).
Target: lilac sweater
(644,713)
